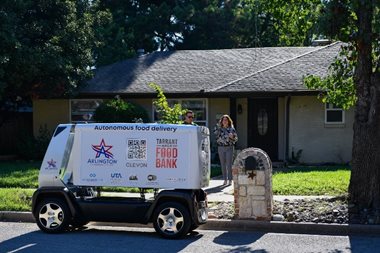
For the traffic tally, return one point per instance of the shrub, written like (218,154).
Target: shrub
(34,148)
(167,114)
(118,110)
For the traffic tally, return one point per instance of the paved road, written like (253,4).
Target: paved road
(25,237)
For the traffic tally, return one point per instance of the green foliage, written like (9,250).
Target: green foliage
(117,110)
(294,20)
(112,42)
(311,181)
(19,174)
(215,171)
(338,86)
(167,114)
(296,156)
(15,199)
(337,20)
(34,148)
(47,47)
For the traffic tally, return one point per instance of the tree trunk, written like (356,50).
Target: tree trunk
(364,189)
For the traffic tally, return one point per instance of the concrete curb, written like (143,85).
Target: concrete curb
(16,216)
(290,227)
(238,225)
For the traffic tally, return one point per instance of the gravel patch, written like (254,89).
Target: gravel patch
(319,210)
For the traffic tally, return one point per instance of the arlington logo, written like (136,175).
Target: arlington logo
(103,154)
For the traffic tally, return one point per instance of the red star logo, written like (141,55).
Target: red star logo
(102,149)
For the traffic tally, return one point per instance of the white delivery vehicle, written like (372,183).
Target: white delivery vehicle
(173,160)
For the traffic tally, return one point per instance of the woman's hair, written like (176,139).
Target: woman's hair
(230,122)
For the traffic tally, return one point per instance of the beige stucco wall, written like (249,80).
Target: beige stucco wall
(50,112)
(307,129)
(320,142)
(216,108)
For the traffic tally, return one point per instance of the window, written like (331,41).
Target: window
(198,106)
(82,110)
(334,114)
(262,122)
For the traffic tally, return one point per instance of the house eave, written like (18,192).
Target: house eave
(219,94)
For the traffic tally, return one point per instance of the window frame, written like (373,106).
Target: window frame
(330,107)
(71,112)
(180,101)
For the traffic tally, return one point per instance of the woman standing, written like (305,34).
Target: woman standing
(226,137)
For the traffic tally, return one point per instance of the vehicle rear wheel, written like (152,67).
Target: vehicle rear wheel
(53,215)
(171,220)
(193,227)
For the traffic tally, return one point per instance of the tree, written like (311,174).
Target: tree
(166,113)
(294,20)
(364,187)
(361,58)
(47,49)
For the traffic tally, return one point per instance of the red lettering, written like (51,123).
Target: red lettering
(166,157)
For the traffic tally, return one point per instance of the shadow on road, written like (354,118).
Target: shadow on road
(233,239)
(97,240)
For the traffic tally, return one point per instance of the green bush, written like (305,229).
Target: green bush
(31,148)
(117,110)
(167,114)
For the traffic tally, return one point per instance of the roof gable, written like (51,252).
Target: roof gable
(227,70)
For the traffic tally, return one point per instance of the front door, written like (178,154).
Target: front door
(263,125)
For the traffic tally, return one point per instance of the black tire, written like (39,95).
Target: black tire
(193,227)
(171,220)
(78,223)
(53,215)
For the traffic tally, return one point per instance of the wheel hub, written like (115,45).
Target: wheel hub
(170,222)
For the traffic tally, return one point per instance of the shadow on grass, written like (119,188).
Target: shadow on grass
(301,169)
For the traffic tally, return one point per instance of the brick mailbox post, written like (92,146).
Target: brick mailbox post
(252,174)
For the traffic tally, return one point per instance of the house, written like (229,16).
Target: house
(261,88)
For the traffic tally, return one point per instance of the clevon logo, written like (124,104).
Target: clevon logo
(116,175)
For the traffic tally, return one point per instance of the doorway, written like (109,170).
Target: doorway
(263,125)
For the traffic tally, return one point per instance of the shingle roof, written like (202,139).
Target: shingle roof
(287,75)
(213,71)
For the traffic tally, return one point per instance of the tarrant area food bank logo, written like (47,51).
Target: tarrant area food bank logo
(103,154)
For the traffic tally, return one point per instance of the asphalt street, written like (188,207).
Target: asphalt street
(26,237)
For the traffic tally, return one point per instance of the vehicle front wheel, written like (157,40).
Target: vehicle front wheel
(53,215)
(171,220)
(78,223)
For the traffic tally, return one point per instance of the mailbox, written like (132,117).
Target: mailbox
(250,163)
(252,171)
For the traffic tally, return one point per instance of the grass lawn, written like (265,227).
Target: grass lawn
(18,179)
(314,180)
(15,199)
(20,174)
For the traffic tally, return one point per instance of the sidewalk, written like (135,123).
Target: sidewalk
(217,192)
